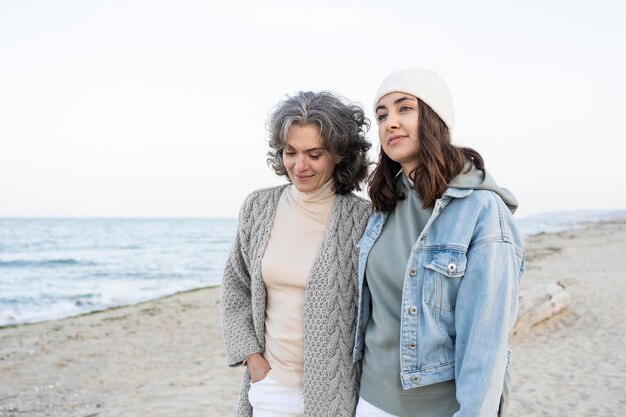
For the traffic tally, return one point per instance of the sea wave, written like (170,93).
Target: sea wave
(44,263)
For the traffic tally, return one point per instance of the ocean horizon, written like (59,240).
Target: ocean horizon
(53,268)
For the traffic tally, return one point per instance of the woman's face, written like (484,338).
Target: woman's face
(309,165)
(398,119)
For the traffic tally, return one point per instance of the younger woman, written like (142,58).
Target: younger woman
(439,265)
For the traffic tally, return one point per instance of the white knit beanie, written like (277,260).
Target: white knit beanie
(426,85)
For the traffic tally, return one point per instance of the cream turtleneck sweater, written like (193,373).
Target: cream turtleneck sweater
(295,237)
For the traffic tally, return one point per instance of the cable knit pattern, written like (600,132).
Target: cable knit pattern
(330,377)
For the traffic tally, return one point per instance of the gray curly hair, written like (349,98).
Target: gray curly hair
(342,126)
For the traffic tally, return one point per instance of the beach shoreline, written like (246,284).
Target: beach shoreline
(166,357)
(104,310)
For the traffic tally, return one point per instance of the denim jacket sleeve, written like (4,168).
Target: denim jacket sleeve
(485,312)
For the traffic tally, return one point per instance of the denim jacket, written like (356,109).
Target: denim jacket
(459,299)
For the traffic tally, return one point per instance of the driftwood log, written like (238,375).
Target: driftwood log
(540,303)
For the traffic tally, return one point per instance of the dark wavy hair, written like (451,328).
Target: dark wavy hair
(440,161)
(342,126)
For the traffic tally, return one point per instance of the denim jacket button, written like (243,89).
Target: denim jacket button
(412,345)
(415,378)
(412,272)
(451,267)
(413,310)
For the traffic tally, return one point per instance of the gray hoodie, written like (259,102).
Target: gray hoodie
(478,179)
(384,272)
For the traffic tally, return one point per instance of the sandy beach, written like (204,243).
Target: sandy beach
(166,357)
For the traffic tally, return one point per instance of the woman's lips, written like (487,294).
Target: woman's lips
(395,138)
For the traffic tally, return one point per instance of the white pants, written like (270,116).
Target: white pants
(273,399)
(365,409)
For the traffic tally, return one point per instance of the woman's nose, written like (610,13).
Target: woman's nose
(392,121)
(300,163)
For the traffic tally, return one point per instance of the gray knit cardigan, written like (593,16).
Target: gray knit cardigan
(330,378)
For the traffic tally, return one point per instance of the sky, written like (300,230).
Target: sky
(127,108)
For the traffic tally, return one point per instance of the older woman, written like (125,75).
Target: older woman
(290,283)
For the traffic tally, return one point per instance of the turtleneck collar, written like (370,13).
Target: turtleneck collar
(321,195)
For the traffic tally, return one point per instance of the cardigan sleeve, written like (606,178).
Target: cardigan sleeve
(236,305)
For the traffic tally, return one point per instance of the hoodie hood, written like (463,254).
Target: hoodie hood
(473,178)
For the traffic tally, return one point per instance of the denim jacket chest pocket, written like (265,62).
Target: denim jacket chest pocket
(444,270)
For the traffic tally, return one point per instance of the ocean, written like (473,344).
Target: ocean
(56,268)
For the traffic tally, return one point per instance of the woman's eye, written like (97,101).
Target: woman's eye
(289,153)
(405,108)
(381,117)
(315,156)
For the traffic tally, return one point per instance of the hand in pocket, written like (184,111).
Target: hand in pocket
(258,367)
